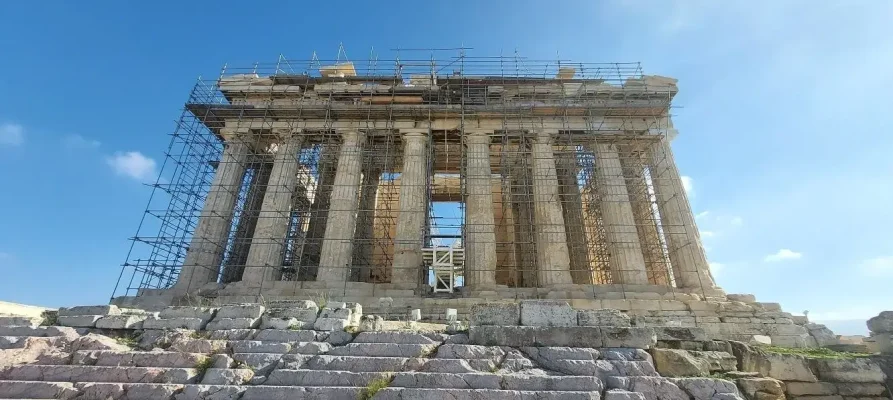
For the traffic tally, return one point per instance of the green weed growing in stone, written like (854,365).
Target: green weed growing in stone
(126,341)
(49,317)
(374,386)
(204,365)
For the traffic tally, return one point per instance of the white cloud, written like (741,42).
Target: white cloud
(688,185)
(878,266)
(702,214)
(12,134)
(708,234)
(75,141)
(133,164)
(783,254)
(716,267)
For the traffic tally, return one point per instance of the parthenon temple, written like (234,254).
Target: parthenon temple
(416,179)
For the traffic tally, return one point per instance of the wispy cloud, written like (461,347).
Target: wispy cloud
(11,134)
(782,255)
(702,214)
(707,234)
(717,268)
(133,164)
(689,185)
(878,266)
(75,141)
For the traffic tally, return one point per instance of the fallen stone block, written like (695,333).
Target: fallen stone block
(547,313)
(602,317)
(232,323)
(78,321)
(89,310)
(121,322)
(253,311)
(849,370)
(500,314)
(678,363)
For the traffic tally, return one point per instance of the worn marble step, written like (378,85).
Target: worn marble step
(494,381)
(38,331)
(286,335)
(393,393)
(383,350)
(84,373)
(18,342)
(127,391)
(300,393)
(156,359)
(363,364)
(306,377)
(391,337)
(458,366)
(37,390)
(258,346)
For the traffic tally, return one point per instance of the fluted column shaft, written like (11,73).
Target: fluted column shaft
(206,249)
(627,262)
(552,255)
(480,227)
(572,208)
(686,253)
(337,246)
(413,207)
(265,256)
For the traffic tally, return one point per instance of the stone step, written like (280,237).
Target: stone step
(286,335)
(398,337)
(37,390)
(258,346)
(300,393)
(105,390)
(392,393)
(18,342)
(494,381)
(84,373)
(383,350)
(39,331)
(364,364)
(306,377)
(458,366)
(157,359)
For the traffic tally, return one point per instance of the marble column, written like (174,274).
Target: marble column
(337,246)
(264,263)
(363,237)
(687,258)
(208,244)
(646,221)
(480,227)
(235,263)
(525,232)
(572,207)
(413,208)
(319,212)
(627,262)
(552,255)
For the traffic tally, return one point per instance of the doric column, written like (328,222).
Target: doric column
(319,212)
(413,207)
(572,208)
(337,246)
(235,262)
(264,261)
(687,257)
(206,250)
(627,263)
(646,222)
(553,258)
(480,227)
(525,232)
(362,257)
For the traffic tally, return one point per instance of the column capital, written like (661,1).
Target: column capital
(414,132)
(544,135)
(285,133)
(229,134)
(477,131)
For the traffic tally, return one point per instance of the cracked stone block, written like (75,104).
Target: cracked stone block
(706,388)
(221,376)
(37,390)
(285,377)
(470,352)
(310,348)
(651,387)
(392,393)
(121,322)
(558,383)
(524,336)
(634,337)
(209,392)
(199,346)
(298,392)
(330,324)
(340,313)
(78,321)
(89,310)
(270,322)
(251,311)
(307,315)
(232,334)
(203,313)
(457,366)
(602,317)
(617,394)
(257,361)
(500,314)
(851,370)
(279,335)
(232,323)
(82,373)
(393,337)
(383,350)
(447,381)
(678,333)
(255,346)
(547,313)
(339,338)
(744,298)
(551,354)
(20,321)
(362,364)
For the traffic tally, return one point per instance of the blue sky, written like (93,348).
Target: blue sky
(783,113)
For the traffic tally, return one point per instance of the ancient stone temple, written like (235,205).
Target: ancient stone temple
(429,182)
